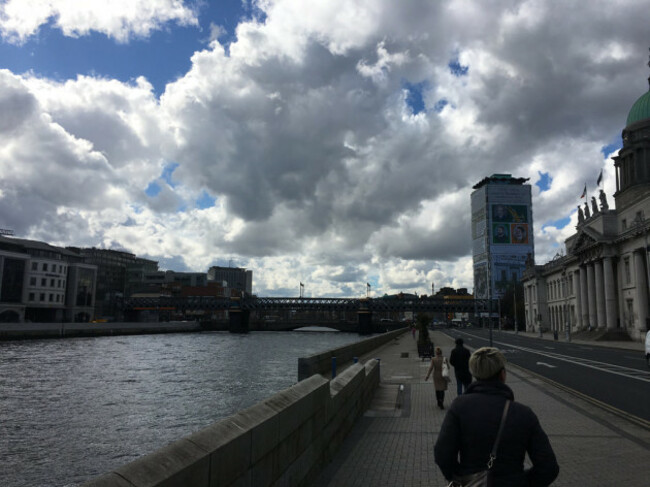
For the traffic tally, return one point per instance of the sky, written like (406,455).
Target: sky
(330,142)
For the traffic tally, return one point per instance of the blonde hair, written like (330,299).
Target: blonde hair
(486,363)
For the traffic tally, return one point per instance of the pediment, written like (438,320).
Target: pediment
(586,239)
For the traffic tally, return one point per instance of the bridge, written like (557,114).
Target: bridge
(346,314)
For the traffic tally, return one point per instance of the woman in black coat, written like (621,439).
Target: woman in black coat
(470,428)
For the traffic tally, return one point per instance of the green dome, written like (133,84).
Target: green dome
(640,110)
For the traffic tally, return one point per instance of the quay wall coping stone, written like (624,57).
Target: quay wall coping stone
(321,363)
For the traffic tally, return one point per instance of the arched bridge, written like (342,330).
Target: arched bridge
(240,308)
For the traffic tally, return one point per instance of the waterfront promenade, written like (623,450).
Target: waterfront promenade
(392,445)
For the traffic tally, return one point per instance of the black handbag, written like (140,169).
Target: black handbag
(484,477)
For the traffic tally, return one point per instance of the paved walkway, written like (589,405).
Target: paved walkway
(393,446)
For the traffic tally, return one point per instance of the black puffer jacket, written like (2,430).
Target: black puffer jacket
(470,427)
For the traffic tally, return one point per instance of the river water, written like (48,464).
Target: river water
(76,408)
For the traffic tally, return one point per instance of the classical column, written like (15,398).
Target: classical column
(641,286)
(575,322)
(610,293)
(600,294)
(584,309)
(591,295)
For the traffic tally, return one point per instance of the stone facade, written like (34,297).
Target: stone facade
(601,282)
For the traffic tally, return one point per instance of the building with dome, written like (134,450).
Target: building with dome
(601,283)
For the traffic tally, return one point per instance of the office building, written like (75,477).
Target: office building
(502,233)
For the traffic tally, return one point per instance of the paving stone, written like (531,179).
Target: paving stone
(391,447)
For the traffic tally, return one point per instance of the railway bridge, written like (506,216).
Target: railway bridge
(300,311)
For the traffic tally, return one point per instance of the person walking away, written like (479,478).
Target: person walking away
(459,359)
(439,382)
(469,430)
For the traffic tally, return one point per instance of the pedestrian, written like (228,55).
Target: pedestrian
(459,359)
(413,331)
(469,430)
(439,382)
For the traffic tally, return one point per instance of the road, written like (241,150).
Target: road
(619,378)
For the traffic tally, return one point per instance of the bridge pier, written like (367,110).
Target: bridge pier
(239,320)
(365,322)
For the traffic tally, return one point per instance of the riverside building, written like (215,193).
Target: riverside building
(43,283)
(601,283)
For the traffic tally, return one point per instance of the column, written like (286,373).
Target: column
(575,320)
(584,309)
(641,286)
(610,293)
(600,294)
(591,295)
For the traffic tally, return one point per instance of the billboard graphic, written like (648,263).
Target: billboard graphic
(519,233)
(500,233)
(509,213)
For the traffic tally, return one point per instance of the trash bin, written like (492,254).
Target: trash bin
(554,334)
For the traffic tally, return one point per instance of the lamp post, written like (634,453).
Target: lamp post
(515,301)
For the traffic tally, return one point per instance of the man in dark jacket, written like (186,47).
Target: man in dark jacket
(459,359)
(470,427)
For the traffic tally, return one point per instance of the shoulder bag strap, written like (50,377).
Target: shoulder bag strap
(493,453)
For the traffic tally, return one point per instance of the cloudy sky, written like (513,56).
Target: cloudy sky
(329,142)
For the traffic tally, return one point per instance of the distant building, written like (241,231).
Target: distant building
(43,283)
(112,285)
(601,281)
(236,277)
(502,233)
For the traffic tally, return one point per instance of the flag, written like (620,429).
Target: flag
(600,178)
(584,191)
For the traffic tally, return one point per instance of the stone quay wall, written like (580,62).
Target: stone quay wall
(18,331)
(321,363)
(285,440)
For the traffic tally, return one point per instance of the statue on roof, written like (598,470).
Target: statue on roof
(603,201)
(581,215)
(587,212)
(594,205)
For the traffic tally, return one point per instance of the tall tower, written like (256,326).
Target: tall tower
(502,233)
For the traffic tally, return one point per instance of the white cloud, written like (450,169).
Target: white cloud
(301,132)
(118,19)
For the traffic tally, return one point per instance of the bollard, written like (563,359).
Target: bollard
(333,367)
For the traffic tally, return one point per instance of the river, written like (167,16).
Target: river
(76,408)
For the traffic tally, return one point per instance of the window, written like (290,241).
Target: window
(58,298)
(623,224)
(59,283)
(60,269)
(52,282)
(31,296)
(32,281)
(628,274)
(34,266)
(43,282)
(44,266)
(42,297)
(51,297)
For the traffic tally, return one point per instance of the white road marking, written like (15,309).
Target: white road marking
(628,372)
(546,365)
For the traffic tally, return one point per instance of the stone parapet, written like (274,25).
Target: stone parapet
(321,363)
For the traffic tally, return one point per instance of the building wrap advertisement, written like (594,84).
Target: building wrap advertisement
(502,236)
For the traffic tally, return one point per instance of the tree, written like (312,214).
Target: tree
(422,323)
(514,290)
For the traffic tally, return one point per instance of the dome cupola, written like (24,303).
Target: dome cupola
(640,110)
